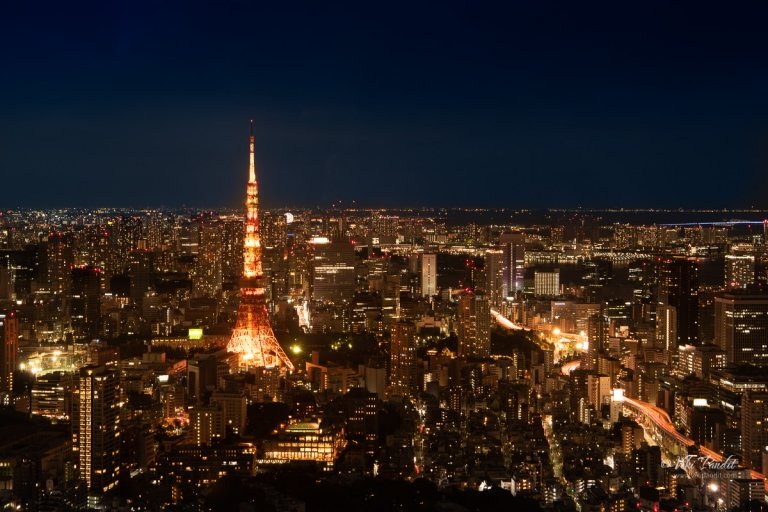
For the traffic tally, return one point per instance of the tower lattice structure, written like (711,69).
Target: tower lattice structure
(253,338)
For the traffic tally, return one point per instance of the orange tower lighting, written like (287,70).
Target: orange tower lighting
(253,338)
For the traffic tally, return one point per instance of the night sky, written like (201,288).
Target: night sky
(445,103)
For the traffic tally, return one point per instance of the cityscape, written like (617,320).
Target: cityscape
(503,320)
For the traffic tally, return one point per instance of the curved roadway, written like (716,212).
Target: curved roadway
(661,419)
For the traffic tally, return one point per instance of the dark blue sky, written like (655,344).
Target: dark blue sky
(445,103)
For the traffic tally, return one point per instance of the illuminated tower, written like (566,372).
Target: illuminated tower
(253,338)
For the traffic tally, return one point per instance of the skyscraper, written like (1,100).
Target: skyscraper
(402,359)
(252,337)
(333,271)
(678,287)
(98,432)
(513,244)
(9,348)
(86,301)
(141,266)
(494,276)
(739,271)
(754,428)
(232,235)
(741,327)
(59,263)
(208,269)
(547,284)
(474,326)
(428,275)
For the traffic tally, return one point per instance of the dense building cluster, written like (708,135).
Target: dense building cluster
(567,360)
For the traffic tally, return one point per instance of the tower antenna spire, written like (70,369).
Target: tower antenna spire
(252,162)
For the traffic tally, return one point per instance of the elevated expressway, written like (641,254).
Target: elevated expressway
(505,322)
(658,426)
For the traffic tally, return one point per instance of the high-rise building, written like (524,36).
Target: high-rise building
(402,359)
(428,275)
(754,429)
(9,349)
(85,307)
(141,266)
(494,276)
(208,269)
(99,428)
(474,326)
(598,390)
(253,339)
(742,491)
(666,327)
(678,287)
(513,245)
(741,327)
(547,284)
(390,298)
(233,410)
(596,334)
(59,263)
(52,395)
(232,232)
(334,278)
(207,423)
(739,271)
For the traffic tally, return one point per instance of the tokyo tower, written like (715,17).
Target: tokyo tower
(253,338)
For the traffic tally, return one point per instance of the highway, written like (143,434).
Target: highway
(506,322)
(660,418)
(568,367)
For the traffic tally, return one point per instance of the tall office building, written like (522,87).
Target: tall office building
(741,327)
(754,429)
(99,428)
(666,327)
(513,245)
(86,301)
(232,232)
(739,271)
(402,359)
(474,326)
(233,410)
(678,287)
(9,349)
(141,266)
(494,276)
(208,269)
(333,271)
(597,326)
(59,263)
(547,284)
(428,275)
(390,298)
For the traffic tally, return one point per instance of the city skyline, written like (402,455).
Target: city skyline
(467,256)
(614,106)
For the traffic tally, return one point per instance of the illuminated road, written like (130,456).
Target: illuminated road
(568,367)
(661,420)
(506,322)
